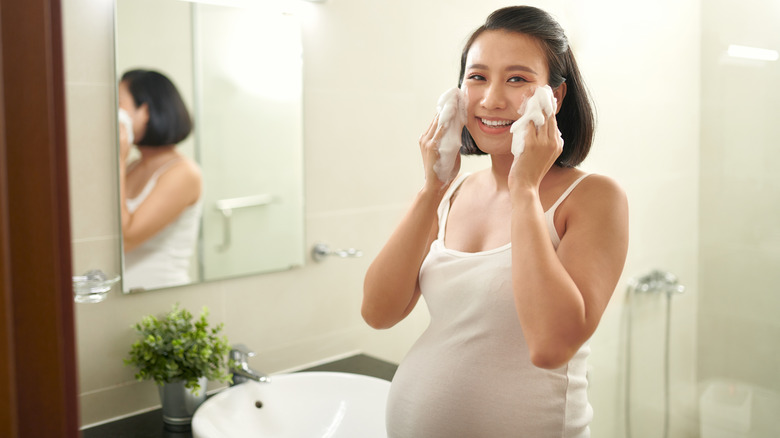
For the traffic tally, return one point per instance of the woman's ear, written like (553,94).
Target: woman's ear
(559,94)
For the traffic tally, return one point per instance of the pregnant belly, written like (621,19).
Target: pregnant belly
(451,393)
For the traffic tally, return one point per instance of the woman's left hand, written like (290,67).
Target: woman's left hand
(543,146)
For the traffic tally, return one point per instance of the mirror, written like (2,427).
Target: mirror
(239,72)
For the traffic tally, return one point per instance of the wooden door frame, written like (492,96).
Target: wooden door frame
(38,371)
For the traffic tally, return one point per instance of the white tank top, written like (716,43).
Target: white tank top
(469,374)
(164,259)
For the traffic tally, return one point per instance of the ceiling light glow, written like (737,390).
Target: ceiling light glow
(755,53)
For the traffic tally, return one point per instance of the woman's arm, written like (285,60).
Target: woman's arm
(561,295)
(390,288)
(124,152)
(176,189)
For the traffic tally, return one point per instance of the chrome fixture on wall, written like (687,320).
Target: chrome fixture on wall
(226,207)
(322,250)
(92,286)
(657,281)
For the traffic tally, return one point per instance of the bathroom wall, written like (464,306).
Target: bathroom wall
(372,74)
(641,61)
(740,206)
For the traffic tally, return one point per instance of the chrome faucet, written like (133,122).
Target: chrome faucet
(240,368)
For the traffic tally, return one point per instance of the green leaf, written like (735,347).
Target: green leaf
(176,347)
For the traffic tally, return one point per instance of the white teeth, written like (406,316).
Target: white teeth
(496,122)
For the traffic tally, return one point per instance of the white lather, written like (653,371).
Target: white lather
(452,117)
(536,109)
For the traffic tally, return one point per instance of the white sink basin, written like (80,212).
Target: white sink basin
(297,405)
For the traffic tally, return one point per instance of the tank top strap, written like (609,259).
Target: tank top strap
(566,193)
(444,206)
(160,170)
(132,165)
(133,203)
(549,215)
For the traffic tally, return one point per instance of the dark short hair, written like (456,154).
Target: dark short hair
(576,119)
(169,120)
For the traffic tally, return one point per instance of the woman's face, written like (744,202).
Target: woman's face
(502,70)
(139,114)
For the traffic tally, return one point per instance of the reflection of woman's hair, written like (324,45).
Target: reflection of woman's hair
(575,119)
(169,121)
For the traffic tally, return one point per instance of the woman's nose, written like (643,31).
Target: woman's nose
(494,97)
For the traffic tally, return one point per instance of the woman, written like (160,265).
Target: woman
(160,191)
(516,262)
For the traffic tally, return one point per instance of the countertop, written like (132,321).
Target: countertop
(150,424)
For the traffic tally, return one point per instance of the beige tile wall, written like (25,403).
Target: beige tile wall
(372,74)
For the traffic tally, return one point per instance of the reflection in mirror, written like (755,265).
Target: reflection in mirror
(160,189)
(239,73)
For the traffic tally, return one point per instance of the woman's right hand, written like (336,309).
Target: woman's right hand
(543,145)
(429,148)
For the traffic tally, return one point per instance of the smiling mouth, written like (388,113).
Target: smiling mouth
(495,123)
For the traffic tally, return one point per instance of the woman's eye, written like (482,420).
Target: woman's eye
(476,77)
(517,79)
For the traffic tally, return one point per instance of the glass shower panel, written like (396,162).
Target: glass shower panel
(738,325)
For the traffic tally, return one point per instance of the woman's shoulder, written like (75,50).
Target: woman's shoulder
(596,192)
(184,176)
(601,185)
(184,167)
(192,167)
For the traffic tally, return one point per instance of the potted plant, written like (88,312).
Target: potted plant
(180,354)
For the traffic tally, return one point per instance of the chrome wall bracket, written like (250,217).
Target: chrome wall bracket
(322,250)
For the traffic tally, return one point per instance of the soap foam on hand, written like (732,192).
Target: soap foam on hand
(124,118)
(452,117)
(536,109)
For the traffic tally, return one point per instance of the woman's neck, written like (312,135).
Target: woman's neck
(501,164)
(499,170)
(151,154)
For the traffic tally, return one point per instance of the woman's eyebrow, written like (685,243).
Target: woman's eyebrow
(521,68)
(509,68)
